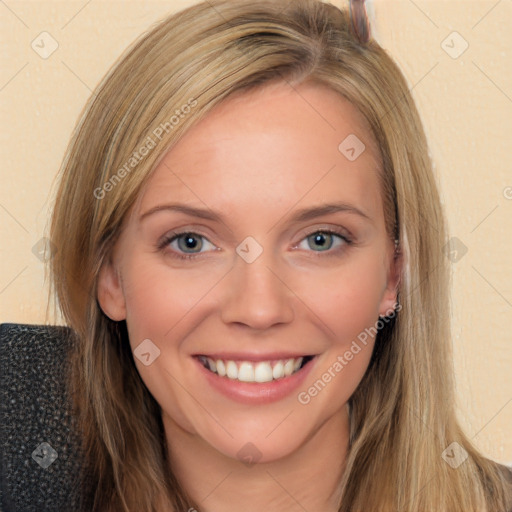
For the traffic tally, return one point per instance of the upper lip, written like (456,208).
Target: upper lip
(247,356)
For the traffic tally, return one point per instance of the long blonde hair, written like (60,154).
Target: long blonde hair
(402,415)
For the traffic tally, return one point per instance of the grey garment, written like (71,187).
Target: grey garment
(40,452)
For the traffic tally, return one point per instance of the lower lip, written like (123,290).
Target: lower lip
(256,392)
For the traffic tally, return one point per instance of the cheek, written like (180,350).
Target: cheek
(160,306)
(348,305)
(159,298)
(348,299)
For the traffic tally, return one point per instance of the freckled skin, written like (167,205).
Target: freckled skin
(256,159)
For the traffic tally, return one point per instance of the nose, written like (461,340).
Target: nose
(256,295)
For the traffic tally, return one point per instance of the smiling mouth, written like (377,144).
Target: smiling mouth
(258,372)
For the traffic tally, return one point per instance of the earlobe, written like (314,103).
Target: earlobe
(110,293)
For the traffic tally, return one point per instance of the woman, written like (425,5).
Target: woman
(251,256)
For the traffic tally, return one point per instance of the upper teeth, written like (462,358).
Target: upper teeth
(247,371)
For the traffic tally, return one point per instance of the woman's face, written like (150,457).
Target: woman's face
(262,273)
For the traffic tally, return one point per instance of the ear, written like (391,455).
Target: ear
(110,292)
(395,267)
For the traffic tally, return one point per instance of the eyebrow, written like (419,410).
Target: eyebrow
(301,215)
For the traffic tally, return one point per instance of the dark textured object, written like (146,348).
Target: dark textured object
(34,410)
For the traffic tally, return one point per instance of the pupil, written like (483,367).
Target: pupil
(190,241)
(320,239)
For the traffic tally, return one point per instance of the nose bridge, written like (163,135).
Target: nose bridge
(257,295)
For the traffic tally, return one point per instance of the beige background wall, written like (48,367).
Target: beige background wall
(465,100)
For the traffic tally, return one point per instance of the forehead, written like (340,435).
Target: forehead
(271,148)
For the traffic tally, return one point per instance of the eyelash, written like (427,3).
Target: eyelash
(169,238)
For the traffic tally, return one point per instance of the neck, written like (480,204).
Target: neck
(306,479)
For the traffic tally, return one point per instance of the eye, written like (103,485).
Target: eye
(185,245)
(324,240)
